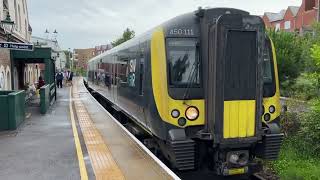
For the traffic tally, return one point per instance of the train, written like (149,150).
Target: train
(203,87)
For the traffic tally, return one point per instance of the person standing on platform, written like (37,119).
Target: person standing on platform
(65,77)
(40,83)
(70,76)
(59,78)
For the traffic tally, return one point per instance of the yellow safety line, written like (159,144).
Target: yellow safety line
(103,163)
(82,166)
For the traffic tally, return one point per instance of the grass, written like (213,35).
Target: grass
(296,164)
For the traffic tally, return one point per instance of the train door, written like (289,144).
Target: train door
(141,80)
(115,79)
(235,96)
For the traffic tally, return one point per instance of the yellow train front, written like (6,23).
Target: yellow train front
(204,85)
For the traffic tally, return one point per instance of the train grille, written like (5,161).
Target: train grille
(184,154)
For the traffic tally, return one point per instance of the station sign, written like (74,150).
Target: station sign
(16,46)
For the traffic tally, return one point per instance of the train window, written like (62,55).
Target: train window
(183,62)
(267,67)
(132,72)
(269,87)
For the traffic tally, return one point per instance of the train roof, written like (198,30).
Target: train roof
(182,20)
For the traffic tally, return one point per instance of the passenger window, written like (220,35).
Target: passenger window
(132,72)
(123,71)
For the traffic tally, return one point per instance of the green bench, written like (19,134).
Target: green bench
(12,109)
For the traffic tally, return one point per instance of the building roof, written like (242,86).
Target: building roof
(275,16)
(29,28)
(294,10)
(53,44)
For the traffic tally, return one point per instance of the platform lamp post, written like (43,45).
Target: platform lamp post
(71,59)
(55,35)
(7,24)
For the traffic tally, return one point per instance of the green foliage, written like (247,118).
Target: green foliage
(289,123)
(310,129)
(294,164)
(127,35)
(300,152)
(315,54)
(298,62)
(299,71)
(306,86)
(81,71)
(289,50)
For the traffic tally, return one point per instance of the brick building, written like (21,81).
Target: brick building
(102,48)
(294,18)
(18,10)
(82,56)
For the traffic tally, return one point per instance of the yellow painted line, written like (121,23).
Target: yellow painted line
(82,166)
(103,164)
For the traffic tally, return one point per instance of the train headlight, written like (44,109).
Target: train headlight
(192,113)
(272,109)
(175,113)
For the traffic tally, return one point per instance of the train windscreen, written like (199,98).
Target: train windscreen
(183,62)
(269,88)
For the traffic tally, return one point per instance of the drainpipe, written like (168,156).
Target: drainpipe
(318,15)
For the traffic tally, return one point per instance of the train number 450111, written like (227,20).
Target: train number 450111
(186,32)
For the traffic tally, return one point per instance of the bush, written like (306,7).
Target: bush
(289,49)
(310,129)
(293,164)
(305,86)
(290,124)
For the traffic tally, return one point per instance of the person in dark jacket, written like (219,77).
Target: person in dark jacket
(59,78)
(70,77)
(40,83)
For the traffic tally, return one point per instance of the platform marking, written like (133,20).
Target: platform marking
(82,166)
(139,144)
(104,166)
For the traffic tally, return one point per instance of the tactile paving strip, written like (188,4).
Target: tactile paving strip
(104,166)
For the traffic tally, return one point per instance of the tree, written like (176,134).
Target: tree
(127,35)
(289,50)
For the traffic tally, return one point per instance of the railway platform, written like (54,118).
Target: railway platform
(76,139)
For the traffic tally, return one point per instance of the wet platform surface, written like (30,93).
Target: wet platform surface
(76,139)
(43,146)
(133,160)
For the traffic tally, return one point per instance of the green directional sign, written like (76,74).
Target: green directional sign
(16,46)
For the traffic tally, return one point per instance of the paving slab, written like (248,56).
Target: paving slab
(43,147)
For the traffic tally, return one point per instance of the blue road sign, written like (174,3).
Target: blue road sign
(16,46)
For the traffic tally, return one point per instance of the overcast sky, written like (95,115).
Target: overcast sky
(86,23)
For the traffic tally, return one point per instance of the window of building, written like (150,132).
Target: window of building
(310,5)
(26,29)
(278,27)
(19,19)
(5,8)
(287,25)
(24,7)
(16,15)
